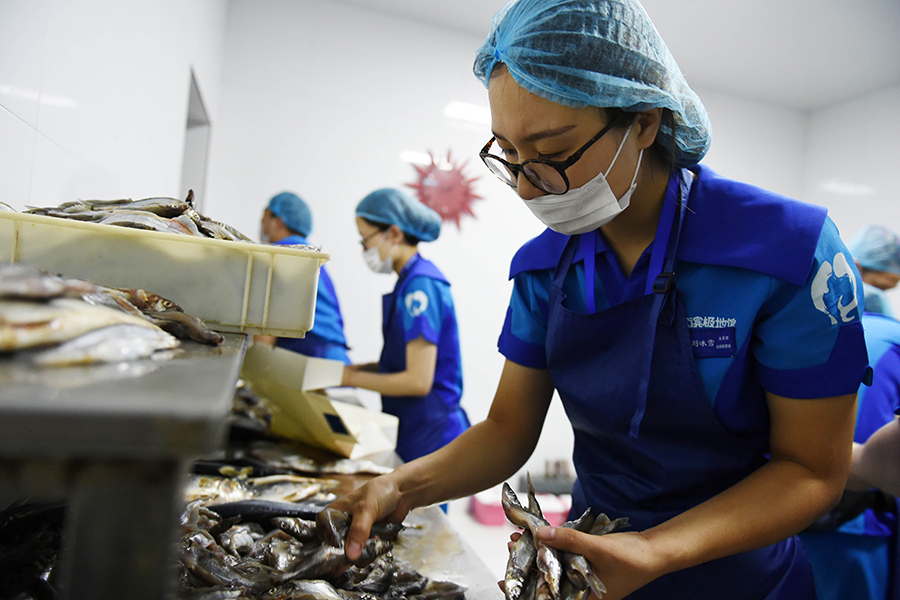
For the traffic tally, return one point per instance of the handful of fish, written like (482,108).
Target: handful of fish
(169,215)
(535,571)
(296,558)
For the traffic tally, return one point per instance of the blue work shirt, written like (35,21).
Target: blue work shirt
(421,306)
(767,275)
(326,338)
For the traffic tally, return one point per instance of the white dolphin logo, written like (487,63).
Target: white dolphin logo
(416,303)
(840,269)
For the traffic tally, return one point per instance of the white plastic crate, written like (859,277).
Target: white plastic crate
(238,287)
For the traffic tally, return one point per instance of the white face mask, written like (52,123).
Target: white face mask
(264,237)
(585,208)
(373,259)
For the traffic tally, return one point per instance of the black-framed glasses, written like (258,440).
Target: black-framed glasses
(366,239)
(547,175)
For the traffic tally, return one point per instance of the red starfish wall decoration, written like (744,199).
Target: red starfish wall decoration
(443,187)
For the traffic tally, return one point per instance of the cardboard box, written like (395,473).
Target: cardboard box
(302,410)
(238,287)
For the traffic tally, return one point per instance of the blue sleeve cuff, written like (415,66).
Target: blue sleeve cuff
(519,351)
(845,370)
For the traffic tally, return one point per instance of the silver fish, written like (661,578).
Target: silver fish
(183,325)
(302,529)
(521,560)
(4,207)
(547,558)
(30,324)
(144,220)
(110,344)
(602,525)
(332,527)
(325,559)
(310,589)
(24,282)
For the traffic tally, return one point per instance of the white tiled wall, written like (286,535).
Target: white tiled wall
(93,95)
(321,98)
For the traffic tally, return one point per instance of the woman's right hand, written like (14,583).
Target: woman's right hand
(377,500)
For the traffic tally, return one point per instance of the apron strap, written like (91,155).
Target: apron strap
(662,286)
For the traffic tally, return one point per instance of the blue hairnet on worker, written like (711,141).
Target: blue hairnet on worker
(703,334)
(622,62)
(391,206)
(287,221)
(293,211)
(878,248)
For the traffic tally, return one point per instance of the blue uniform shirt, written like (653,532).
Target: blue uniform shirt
(421,306)
(326,339)
(769,288)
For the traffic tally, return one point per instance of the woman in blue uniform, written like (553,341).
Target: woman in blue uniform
(703,334)
(419,375)
(287,221)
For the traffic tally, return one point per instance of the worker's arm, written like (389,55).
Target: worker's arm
(810,442)
(415,380)
(876,463)
(484,455)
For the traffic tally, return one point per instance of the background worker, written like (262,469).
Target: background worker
(703,334)
(852,547)
(876,250)
(419,374)
(287,221)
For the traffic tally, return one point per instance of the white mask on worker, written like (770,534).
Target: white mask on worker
(375,262)
(587,207)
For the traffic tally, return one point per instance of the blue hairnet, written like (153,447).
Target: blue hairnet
(293,211)
(878,248)
(390,206)
(604,53)
(877,301)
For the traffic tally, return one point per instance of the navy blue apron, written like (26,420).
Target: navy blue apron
(647,443)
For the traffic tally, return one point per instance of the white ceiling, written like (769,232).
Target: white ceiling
(803,54)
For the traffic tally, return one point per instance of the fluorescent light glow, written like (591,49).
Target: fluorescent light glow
(846,188)
(471,113)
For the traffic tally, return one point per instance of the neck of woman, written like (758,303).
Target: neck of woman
(631,232)
(404,253)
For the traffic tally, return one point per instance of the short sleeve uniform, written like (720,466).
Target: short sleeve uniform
(421,306)
(796,326)
(326,339)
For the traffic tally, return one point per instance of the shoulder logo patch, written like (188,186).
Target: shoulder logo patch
(834,290)
(416,303)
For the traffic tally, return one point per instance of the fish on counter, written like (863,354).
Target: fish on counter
(285,557)
(32,324)
(279,456)
(39,309)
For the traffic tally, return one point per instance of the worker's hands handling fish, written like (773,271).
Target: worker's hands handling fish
(378,500)
(550,563)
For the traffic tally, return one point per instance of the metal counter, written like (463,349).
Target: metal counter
(435,550)
(114,442)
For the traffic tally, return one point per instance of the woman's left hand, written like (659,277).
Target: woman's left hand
(624,561)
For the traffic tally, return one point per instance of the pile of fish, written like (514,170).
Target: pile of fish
(169,215)
(536,571)
(269,555)
(63,321)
